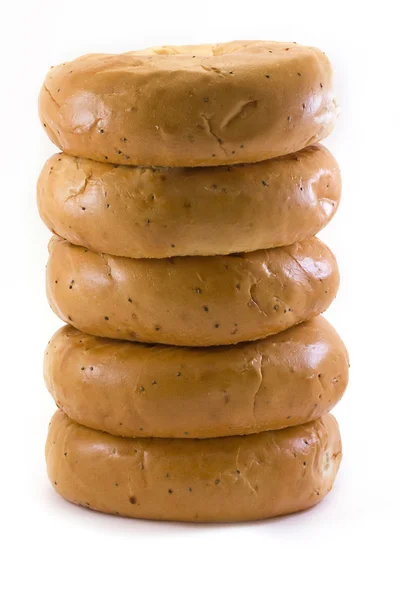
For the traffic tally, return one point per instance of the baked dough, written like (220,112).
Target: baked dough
(157,213)
(242,101)
(239,478)
(137,390)
(191,301)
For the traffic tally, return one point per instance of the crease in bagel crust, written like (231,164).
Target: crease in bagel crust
(252,287)
(88,179)
(51,96)
(242,468)
(107,262)
(207,121)
(238,112)
(260,370)
(300,266)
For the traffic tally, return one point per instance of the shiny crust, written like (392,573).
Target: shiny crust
(243,101)
(157,213)
(136,390)
(240,478)
(191,301)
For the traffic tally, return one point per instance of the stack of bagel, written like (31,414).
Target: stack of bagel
(195,375)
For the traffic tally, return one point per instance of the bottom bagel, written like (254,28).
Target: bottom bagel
(240,478)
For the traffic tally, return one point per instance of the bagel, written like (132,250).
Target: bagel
(205,105)
(191,301)
(158,213)
(136,390)
(239,478)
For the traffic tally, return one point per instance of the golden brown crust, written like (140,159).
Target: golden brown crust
(240,478)
(157,213)
(136,390)
(190,106)
(191,301)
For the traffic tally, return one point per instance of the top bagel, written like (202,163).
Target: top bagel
(190,105)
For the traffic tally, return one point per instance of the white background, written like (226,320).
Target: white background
(348,544)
